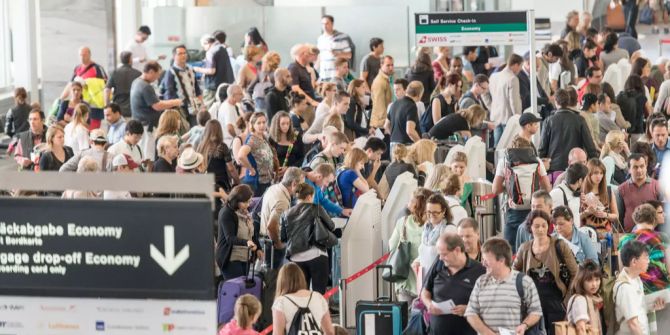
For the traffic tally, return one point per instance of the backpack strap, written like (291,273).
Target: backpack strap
(520,291)
(104,160)
(565,196)
(557,245)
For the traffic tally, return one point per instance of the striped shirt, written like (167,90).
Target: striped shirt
(328,45)
(498,303)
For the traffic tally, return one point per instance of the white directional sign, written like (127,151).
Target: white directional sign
(169,262)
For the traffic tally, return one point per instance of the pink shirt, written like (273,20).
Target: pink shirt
(231,328)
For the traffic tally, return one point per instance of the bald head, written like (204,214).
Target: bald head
(85,55)
(282,77)
(577,155)
(235,94)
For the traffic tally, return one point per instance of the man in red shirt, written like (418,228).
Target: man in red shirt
(637,190)
(594,75)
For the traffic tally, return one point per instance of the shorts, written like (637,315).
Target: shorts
(148,144)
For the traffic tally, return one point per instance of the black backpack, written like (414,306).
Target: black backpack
(303,321)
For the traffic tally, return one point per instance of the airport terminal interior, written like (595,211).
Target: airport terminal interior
(329,167)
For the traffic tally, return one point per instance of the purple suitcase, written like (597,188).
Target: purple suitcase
(230,290)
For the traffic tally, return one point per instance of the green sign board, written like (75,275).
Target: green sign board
(475,28)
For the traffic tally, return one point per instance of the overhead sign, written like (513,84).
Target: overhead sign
(119,249)
(471,28)
(542,29)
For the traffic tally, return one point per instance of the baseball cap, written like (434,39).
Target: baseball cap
(528,118)
(124,160)
(98,135)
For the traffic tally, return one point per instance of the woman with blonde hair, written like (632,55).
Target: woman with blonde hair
(264,80)
(57,152)
(355,121)
(249,72)
(437,179)
(292,294)
(76,132)
(616,149)
(350,180)
(247,311)
(460,123)
(598,207)
(398,166)
(169,123)
(422,155)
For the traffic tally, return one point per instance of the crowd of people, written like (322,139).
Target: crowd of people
(294,143)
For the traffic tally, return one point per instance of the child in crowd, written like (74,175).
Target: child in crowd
(247,311)
(195,133)
(584,305)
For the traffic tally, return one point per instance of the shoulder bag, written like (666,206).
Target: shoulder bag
(400,259)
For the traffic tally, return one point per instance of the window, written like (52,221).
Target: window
(5,47)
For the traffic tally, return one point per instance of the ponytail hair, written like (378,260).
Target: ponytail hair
(246,308)
(399,153)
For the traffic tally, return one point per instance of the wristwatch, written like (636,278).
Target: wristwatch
(525,324)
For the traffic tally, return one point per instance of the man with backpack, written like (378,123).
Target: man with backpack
(519,174)
(519,311)
(628,292)
(478,93)
(568,192)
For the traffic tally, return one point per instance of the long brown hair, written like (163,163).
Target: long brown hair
(290,279)
(80,116)
(51,133)
(587,271)
(420,195)
(212,139)
(168,123)
(587,186)
(353,85)
(275,129)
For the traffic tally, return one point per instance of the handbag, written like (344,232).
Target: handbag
(563,271)
(323,237)
(400,259)
(646,15)
(615,17)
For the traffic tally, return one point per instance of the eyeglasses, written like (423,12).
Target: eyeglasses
(434,213)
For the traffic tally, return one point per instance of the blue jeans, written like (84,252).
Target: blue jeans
(513,218)
(497,134)
(234,269)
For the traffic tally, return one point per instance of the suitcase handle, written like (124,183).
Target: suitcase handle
(250,273)
(388,298)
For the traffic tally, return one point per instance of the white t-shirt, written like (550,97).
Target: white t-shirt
(558,196)
(318,306)
(76,137)
(629,303)
(116,195)
(457,211)
(227,114)
(420,108)
(139,52)
(555,70)
(124,148)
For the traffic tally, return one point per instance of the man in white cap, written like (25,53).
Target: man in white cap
(121,163)
(98,140)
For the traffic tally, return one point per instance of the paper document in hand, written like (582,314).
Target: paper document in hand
(445,306)
(650,298)
(503,331)
(379,134)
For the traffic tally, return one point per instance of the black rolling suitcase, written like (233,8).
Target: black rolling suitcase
(388,317)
